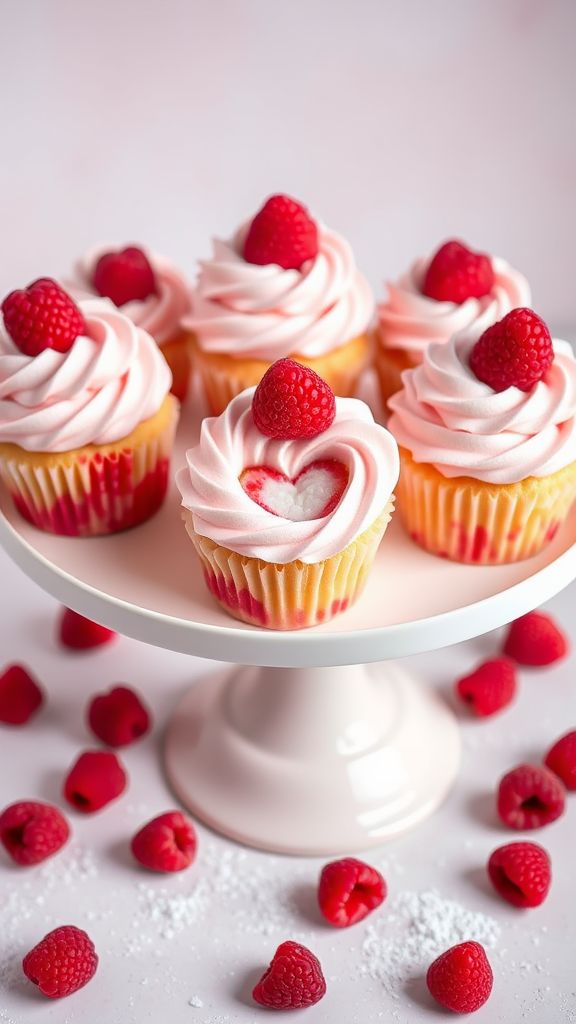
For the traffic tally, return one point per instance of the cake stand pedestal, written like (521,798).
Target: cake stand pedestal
(316,761)
(320,744)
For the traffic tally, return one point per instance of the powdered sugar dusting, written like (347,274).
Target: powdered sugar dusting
(417,928)
(254,896)
(168,912)
(26,898)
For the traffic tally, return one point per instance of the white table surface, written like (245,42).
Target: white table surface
(204,936)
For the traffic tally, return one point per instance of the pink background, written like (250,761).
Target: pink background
(399,123)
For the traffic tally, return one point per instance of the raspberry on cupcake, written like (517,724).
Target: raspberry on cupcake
(487,433)
(453,290)
(284,286)
(86,418)
(150,291)
(286,498)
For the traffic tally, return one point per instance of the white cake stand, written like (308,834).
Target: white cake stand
(321,744)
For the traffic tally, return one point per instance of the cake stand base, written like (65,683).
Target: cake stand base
(312,761)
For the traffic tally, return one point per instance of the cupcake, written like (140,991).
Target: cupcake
(86,417)
(286,498)
(487,435)
(454,290)
(150,291)
(283,286)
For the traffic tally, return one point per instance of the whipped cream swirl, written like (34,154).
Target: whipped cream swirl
(411,321)
(447,417)
(161,313)
(265,312)
(110,380)
(229,443)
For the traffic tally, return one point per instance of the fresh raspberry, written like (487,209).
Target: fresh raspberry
(42,316)
(461,978)
(81,634)
(167,843)
(31,831)
(529,797)
(124,276)
(94,780)
(521,873)
(64,961)
(561,759)
(535,639)
(514,352)
(293,980)
(456,273)
(118,717)
(20,695)
(282,232)
(292,402)
(349,890)
(489,688)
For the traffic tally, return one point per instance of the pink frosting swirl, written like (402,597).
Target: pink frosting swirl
(266,312)
(411,321)
(112,379)
(160,314)
(447,417)
(229,443)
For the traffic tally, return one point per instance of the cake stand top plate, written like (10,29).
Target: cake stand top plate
(146,584)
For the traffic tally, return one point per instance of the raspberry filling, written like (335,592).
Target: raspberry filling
(313,494)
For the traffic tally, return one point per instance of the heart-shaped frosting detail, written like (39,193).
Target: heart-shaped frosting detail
(313,494)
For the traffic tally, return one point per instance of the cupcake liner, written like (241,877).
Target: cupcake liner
(469,521)
(94,490)
(291,596)
(225,377)
(177,353)
(390,364)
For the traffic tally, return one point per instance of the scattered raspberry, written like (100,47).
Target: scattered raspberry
(282,232)
(293,980)
(167,843)
(292,402)
(20,695)
(64,961)
(124,276)
(490,688)
(456,273)
(461,978)
(31,832)
(561,759)
(515,352)
(81,634)
(118,717)
(535,639)
(42,316)
(520,872)
(94,780)
(349,890)
(529,797)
